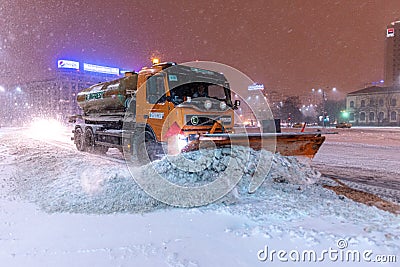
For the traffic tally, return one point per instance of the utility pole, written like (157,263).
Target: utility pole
(323,107)
(323,93)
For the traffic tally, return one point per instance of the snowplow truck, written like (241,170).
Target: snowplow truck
(168,109)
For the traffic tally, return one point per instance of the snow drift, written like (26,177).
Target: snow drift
(67,182)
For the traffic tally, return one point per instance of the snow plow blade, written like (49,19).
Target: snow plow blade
(287,144)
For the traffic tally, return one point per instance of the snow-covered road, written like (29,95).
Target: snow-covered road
(368,158)
(61,207)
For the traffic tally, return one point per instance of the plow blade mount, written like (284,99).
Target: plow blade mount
(287,144)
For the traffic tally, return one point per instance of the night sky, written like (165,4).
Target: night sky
(290,46)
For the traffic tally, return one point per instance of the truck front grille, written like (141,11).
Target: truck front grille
(202,120)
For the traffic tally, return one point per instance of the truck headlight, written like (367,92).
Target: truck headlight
(207,104)
(222,105)
(182,141)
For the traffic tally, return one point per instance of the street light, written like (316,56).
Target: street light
(323,106)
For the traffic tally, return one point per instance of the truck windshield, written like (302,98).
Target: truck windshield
(195,90)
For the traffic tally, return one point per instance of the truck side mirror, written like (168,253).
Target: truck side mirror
(237,103)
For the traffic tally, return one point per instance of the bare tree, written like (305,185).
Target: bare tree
(373,106)
(388,102)
(333,108)
(291,109)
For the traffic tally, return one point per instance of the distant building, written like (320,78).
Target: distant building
(253,105)
(375,106)
(53,97)
(275,102)
(56,96)
(13,106)
(392,54)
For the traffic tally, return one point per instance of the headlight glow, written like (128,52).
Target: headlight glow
(46,129)
(182,141)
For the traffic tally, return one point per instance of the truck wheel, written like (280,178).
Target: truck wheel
(89,143)
(79,139)
(89,140)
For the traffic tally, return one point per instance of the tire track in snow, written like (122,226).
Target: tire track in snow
(383,189)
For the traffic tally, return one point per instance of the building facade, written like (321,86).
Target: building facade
(57,95)
(54,97)
(392,54)
(374,106)
(275,101)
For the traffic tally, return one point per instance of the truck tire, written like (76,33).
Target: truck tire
(90,143)
(146,148)
(89,140)
(79,139)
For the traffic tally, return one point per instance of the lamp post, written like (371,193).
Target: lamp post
(322,91)
(313,96)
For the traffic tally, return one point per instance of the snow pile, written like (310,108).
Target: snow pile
(93,190)
(65,180)
(215,173)
(292,170)
(200,167)
(72,183)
